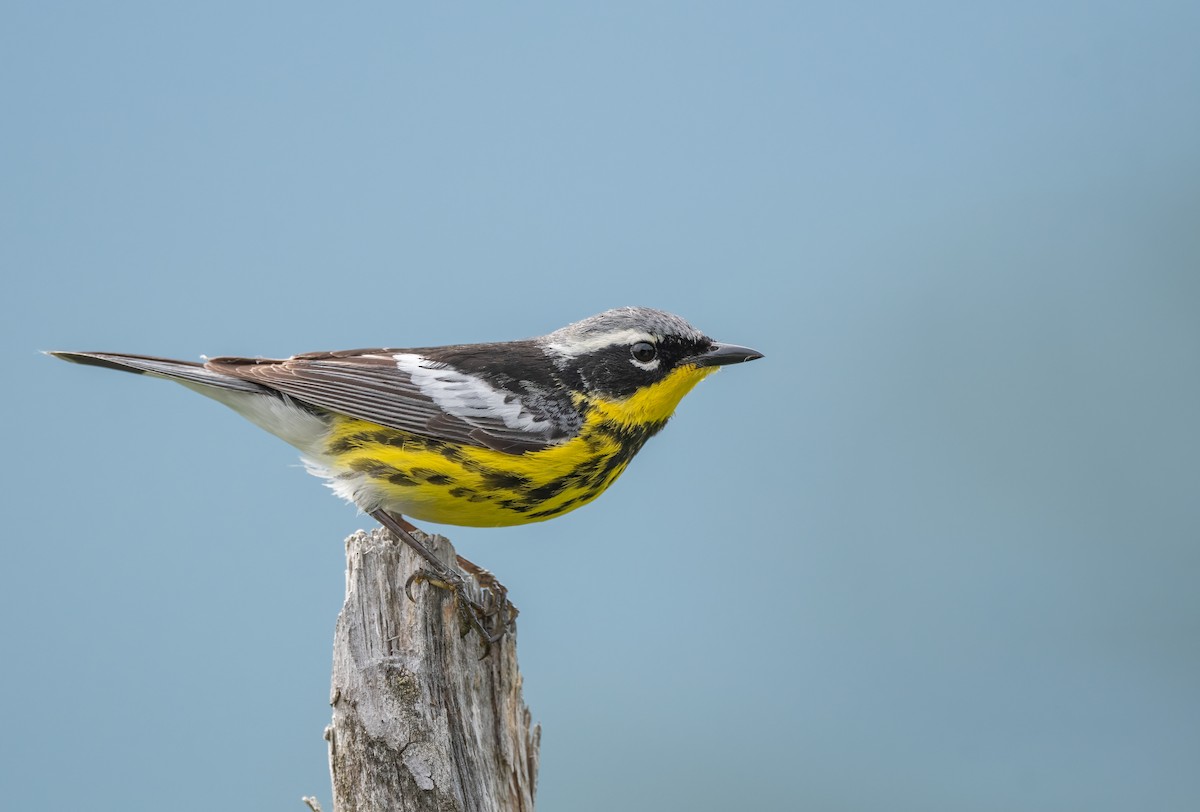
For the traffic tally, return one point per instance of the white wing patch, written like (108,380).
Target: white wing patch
(466,396)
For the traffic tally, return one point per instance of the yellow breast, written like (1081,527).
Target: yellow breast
(439,481)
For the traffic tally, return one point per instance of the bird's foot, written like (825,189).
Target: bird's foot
(495,593)
(492,618)
(486,618)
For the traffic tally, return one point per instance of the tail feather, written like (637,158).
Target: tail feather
(182,371)
(294,422)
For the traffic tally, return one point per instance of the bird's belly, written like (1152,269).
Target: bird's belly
(435,481)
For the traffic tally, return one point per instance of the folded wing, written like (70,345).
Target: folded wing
(410,391)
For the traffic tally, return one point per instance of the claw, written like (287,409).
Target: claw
(424,576)
(416,576)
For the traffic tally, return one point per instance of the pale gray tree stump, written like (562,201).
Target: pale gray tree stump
(420,721)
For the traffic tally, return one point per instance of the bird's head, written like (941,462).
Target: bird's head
(642,358)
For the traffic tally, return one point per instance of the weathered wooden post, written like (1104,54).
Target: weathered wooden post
(422,721)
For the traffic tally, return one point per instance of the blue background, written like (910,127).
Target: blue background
(938,551)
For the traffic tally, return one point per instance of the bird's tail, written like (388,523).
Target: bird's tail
(294,422)
(187,372)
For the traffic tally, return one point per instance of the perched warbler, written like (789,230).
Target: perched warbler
(470,434)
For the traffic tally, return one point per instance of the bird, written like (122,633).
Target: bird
(483,435)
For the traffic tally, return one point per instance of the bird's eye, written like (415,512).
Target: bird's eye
(643,351)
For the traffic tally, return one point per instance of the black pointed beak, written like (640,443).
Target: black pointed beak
(722,354)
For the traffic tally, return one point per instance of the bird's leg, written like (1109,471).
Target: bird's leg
(439,575)
(403,522)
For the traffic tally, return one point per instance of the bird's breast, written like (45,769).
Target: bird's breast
(450,483)
(435,480)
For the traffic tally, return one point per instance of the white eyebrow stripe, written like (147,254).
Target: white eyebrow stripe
(467,396)
(574,347)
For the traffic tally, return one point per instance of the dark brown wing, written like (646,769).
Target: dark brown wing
(505,402)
